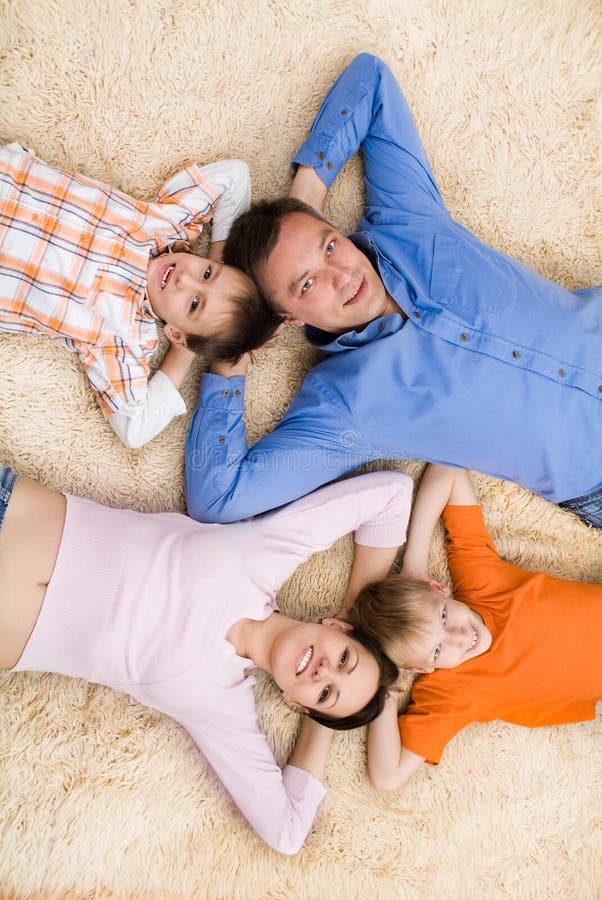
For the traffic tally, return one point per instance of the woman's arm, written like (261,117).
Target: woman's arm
(389,764)
(311,749)
(440,486)
(370,564)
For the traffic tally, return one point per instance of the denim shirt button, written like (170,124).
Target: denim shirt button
(329,165)
(320,155)
(516,354)
(344,112)
(381,325)
(237,393)
(222,439)
(561,372)
(226,393)
(464,336)
(416,315)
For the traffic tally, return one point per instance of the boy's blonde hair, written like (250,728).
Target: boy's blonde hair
(393,613)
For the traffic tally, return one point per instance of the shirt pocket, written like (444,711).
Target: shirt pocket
(469,275)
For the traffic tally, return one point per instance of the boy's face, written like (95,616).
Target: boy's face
(191,294)
(454,633)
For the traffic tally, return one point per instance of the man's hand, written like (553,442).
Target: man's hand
(229,370)
(309,187)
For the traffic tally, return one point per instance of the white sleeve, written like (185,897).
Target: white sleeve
(231,179)
(279,804)
(375,506)
(139,422)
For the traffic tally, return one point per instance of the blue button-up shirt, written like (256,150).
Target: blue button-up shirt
(495,368)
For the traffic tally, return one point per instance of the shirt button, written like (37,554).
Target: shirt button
(381,325)
(329,165)
(345,338)
(561,372)
(226,393)
(416,315)
(344,112)
(464,336)
(515,354)
(237,393)
(222,439)
(320,155)
(600,389)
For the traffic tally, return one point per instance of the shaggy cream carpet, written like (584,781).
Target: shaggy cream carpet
(99,794)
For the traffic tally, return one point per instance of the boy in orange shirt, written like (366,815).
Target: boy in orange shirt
(507,644)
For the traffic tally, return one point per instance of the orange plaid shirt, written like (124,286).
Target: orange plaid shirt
(73,260)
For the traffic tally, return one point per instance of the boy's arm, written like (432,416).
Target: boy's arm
(389,764)
(440,486)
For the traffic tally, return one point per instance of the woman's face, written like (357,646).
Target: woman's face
(321,667)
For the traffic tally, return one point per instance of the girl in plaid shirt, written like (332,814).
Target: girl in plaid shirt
(86,264)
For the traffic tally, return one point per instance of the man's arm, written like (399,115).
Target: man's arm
(390,765)
(440,486)
(366,108)
(226,481)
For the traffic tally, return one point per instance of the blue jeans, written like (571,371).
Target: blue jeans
(588,507)
(7,483)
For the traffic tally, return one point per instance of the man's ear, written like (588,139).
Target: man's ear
(175,336)
(290,320)
(338,623)
(294,705)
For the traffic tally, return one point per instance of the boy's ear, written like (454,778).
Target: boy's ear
(175,336)
(338,623)
(437,586)
(419,671)
(294,705)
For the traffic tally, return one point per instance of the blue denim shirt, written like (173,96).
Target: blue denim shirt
(495,369)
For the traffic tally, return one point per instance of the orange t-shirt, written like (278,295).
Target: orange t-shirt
(544,666)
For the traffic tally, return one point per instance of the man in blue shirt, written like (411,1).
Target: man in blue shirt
(437,346)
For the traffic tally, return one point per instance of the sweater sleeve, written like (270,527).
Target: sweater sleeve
(375,506)
(279,804)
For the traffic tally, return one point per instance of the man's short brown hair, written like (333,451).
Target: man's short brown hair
(255,234)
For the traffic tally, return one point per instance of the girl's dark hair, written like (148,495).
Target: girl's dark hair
(246,326)
(388,673)
(255,233)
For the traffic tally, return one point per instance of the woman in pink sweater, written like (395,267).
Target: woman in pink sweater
(175,612)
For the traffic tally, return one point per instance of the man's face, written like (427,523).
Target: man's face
(318,276)
(454,633)
(193,295)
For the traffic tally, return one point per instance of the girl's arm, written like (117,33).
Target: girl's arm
(389,764)
(440,486)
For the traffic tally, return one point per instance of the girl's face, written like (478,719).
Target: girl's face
(322,667)
(192,295)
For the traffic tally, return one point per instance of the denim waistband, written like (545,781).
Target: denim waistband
(7,483)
